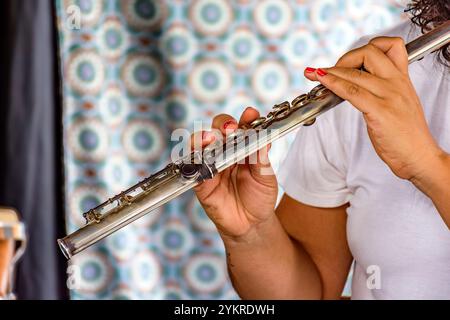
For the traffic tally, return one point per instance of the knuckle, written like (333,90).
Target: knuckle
(219,119)
(399,41)
(371,48)
(332,81)
(343,60)
(353,90)
(375,39)
(355,73)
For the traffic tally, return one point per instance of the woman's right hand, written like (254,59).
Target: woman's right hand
(243,196)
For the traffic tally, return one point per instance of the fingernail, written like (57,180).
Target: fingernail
(207,135)
(229,123)
(321,72)
(310,70)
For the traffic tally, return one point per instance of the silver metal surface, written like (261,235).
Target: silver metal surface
(175,179)
(432,41)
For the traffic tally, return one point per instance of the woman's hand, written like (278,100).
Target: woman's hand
(383,92)
(238,199)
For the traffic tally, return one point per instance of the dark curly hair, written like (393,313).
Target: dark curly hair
(428,14)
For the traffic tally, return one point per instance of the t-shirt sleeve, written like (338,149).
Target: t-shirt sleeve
(314,170)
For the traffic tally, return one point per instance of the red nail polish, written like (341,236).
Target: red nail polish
(207,135)
(321,72)
(229,123)
(310,70)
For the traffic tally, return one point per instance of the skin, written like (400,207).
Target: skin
(297,251)
(6,255)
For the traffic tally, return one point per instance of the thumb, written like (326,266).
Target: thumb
(261,169)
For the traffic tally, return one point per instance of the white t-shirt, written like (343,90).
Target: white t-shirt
(392,227)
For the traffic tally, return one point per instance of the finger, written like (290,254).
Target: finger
(371,58)
(262,169)
(225,123)
(310,73)
(362,78)
(250,114)
(359,97)
(206,188)
(201,139)
(395,49)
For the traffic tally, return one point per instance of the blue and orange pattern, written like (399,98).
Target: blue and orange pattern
(138,69)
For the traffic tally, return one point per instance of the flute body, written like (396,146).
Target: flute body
(185,174)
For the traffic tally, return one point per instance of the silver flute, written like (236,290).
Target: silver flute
(186,173)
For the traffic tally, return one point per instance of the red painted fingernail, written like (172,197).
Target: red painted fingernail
(229,123)
(310,70)
(207,135)
(321,72)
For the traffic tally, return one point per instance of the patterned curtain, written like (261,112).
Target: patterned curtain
(135,70)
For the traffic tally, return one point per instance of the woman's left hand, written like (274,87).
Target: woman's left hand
(383,92)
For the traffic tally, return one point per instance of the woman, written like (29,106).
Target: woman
(369,182)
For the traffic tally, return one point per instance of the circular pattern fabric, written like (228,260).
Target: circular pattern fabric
(324,14)
(206,273)
(143,76)
(145,271)
(211,17)
(144,14)
(270,81)
(178,45)
(175,240)
(85,72)
(273,18)
(113,39)
(173,291)
(117,173)
(378,19)
(93,273)
(88,140)
(299,47)
(243,47)
(137,70)
(143,141)
(114,106)
(179,110)
(341,36)
(210,81)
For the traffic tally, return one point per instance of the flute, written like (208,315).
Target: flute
(186,173)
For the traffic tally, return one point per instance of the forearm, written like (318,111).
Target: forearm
(267,264)
(435,183)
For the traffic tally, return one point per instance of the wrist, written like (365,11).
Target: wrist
(434,173)
(255,234)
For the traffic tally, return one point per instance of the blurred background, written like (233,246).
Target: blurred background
(93,91)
